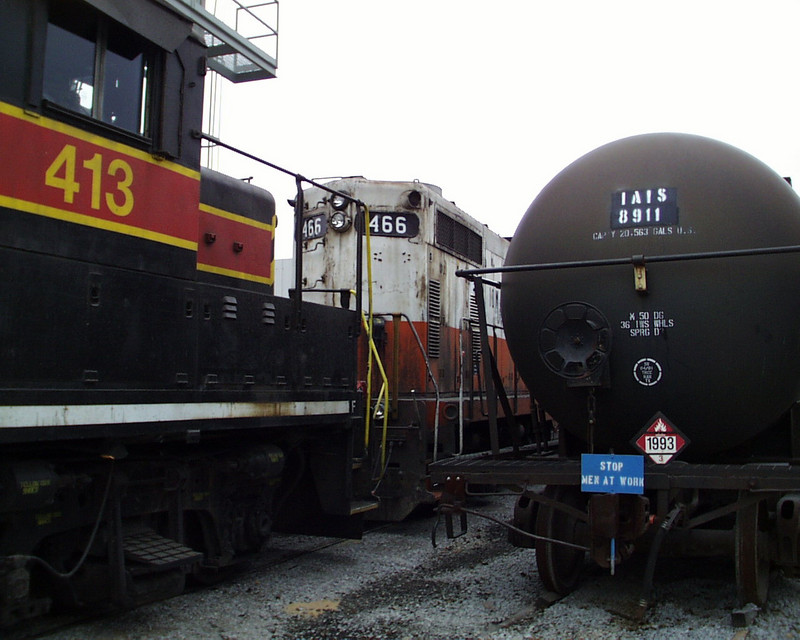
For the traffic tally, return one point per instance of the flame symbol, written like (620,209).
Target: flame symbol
(659,426)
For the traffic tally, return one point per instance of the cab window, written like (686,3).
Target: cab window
(97,68)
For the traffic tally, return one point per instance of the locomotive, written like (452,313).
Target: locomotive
(163,411)
(424,327)
(650,299)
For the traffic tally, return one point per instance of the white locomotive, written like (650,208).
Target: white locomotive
(424,321)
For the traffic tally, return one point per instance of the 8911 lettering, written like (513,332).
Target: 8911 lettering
(644,207)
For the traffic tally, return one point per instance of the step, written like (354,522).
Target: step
(363,506)
(148,547)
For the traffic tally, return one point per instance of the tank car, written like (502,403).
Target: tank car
(650,299)
(162,410)
(425,326)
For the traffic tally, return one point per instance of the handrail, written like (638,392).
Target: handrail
(368,326)
(373,351)
(298,211)
(636,260)
(384,391)
(427,361)
(430,375)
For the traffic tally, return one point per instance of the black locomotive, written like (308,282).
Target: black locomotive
(650,299)
(161,411)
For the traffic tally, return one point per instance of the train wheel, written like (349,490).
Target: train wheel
(560,567)
(752,555)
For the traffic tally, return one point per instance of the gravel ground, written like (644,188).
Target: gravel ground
(394,584)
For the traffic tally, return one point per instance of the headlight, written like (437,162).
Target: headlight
(340,221)
(338,202)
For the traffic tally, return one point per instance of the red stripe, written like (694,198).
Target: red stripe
(158,199)
(233,245)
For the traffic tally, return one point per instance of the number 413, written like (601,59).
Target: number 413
(61,174)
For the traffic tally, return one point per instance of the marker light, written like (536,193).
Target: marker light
(338,202)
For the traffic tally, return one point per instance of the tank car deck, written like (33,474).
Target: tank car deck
(535,470)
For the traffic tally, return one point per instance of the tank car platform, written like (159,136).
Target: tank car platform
(531,471)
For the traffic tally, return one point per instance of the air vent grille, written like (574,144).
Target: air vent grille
(268,313)
(474,326)
(458,238)
(229,307)
(434,318)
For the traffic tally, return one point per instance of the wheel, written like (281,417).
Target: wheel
(560,567)
(752,555)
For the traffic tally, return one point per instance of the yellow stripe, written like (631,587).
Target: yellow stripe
(221,213)
(97,223)
(233,274)
(66,129)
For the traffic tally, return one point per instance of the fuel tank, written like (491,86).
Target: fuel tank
(657,291)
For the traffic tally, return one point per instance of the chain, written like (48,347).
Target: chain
(591,407)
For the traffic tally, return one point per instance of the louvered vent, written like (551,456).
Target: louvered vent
(474,326)
(230,307)
(268,313)
(434,318)
(458,238)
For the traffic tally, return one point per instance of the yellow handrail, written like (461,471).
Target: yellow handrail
(373,351)
(368,324)
(384,392)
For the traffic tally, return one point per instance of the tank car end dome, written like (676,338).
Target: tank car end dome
(713,340)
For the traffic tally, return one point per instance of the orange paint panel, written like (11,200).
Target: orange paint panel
(411,369)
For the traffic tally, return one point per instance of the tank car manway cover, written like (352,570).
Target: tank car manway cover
(660,440)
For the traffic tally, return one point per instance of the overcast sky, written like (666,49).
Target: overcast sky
(490,100)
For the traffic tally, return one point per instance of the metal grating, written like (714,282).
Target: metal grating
(434,318)
(458,238)
(242,35)
(474,326)
(150,548)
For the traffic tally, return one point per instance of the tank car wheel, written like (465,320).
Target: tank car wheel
(560,567)
(752,555)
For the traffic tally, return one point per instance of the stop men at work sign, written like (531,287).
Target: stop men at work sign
(609,473)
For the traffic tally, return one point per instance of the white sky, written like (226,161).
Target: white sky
(490,100)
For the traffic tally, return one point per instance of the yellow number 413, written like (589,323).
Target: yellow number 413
(61,175)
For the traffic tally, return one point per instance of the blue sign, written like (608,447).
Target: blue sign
(609,473)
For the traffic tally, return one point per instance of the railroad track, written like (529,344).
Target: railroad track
(394,584)
(282,549)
